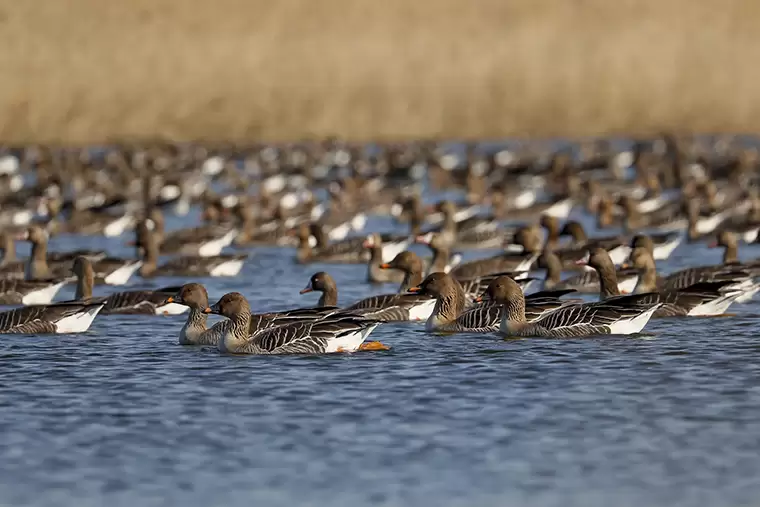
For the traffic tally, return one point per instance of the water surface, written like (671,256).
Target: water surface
(123,415)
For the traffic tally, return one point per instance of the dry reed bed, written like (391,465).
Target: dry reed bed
(93,70)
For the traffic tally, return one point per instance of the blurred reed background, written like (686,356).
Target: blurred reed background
(96,70)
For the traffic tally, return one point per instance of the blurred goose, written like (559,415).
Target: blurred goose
(343,252)
(700,299)
(150,302)
(220,265)
(61,318)
(443,259)
(690,276)
(619,316)
(375,273)
(338,332)
(204,241)
(384,307)
(585,282)
(410,264)
(601,262)
(504,262)
(110,270)
(570,255)
(661,245)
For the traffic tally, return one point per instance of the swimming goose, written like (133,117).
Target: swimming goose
(338,332)
(342,252)
(375,273)
(60,318)
(220,265)
(383,307)
(151,302)
(451,313)
(503,262)
(537,304)
(700,299)
(584,282)
(411,265)
(661,245)
(443,259)
(112,271)
(195,331)
(600,261)
(203,241)
(689,276)
(621,315)
(570,255)
(730,244)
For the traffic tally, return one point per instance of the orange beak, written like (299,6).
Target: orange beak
(414,290)
(626,265)
(170,299)
(385,265)
(479,299)
(304,291)
(207,310)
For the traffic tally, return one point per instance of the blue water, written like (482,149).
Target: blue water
(123,415)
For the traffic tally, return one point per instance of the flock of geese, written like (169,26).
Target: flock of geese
(314,199)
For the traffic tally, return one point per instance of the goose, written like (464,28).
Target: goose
(451,315)
(218,266)
(29,292)
(195,331)
(410,264)
(619,316)
(384,307)
(689,276)
(700,299)
(661,245)
(112,271)
(337,332)
(443,259)
(537,304)
(342,252)
(584,282)
(600,261)
(375,273)
(571,254)
(730,244)
(503,262)
(204,241)
(57,318)
(150,302)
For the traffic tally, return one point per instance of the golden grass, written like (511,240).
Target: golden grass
(94,70)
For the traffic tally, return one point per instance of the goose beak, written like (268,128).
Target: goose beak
(307,289)
(479,299)
(581,262)
(385,265)
(626,265)
(414,290)
(212,309)
(208,310)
